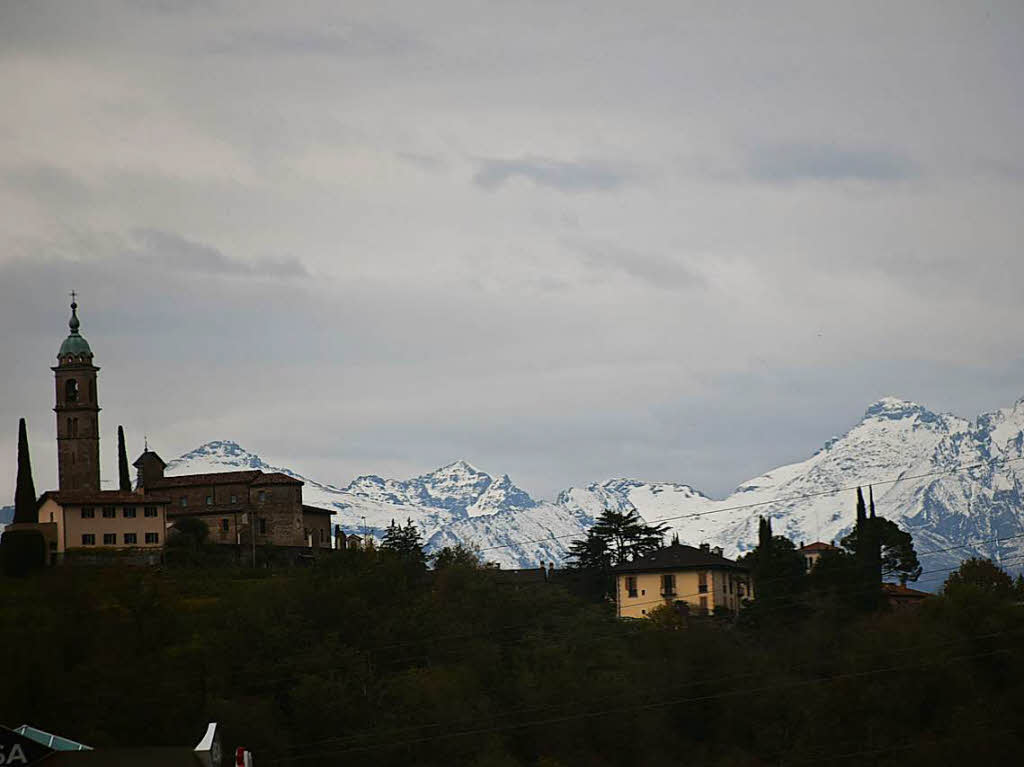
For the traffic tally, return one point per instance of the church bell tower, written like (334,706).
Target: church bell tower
(78,413)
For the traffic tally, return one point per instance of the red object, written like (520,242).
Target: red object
(240,757)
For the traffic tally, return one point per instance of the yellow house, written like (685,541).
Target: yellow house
(812,552)
(700,577)
(93,520)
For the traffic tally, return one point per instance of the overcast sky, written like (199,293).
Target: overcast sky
(562,240)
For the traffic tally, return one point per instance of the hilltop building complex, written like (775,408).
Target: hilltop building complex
(251,508)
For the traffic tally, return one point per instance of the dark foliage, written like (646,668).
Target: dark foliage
(124,477)
(983,575)
(24,490)
(406,545)
(22,551)
(351,663)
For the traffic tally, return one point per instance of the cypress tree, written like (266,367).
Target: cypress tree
(122,463)
(25,490)
(23,550)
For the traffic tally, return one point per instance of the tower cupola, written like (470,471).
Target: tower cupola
(75,348)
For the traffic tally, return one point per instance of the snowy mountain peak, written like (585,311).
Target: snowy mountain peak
(219,455)
(894,409)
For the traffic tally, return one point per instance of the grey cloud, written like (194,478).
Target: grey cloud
(48,184)
(358,40)
(663,272)
(176,252)
(554,174)
(788,162)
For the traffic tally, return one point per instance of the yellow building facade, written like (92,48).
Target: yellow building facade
(699,577)
(106,519)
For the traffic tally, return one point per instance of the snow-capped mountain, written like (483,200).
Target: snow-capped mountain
(914,458)
(434,501)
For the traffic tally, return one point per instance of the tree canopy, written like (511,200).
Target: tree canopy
(616,538)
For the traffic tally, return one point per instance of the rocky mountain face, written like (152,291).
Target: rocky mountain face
(917,462)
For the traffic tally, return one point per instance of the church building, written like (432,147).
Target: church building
(86,517)
(246,507)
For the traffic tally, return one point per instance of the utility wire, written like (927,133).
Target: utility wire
(547,636)
(712,680)
(636,707)
(265,683)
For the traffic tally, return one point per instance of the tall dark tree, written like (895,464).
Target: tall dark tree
(25,510)
(983,575)
(892,550)
(124,477)
(777,568)
(616,538)
(23,550)
(405,543)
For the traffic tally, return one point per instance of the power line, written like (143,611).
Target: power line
(694,683)
(264,681)
(635,707)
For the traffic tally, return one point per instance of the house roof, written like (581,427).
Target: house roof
(818,546)
(678,557)
(315,510)
(148,454)
(101,497)
(513,577)
(898,590)
(251,477)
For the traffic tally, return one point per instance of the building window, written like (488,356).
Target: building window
(88,539)
(51,516)
(109,539)
(702,582)
(92,391)
(668,585)
(261,496)
(152,537)
(129,512)
(739,589)
(209,500)
(149,511)
(130,537)
(631,586)
(225,525)
(74,427)
(88,513)
(71,390)
(234,499)
(323,535)
(703,604)
(184,501)
(109,512)
(262,526)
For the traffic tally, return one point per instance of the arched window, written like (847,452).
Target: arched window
(71,390)
(74,427)
(92,391)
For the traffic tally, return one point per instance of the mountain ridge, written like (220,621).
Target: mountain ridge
(894,443)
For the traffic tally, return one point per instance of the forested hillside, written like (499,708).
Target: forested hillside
(366,661)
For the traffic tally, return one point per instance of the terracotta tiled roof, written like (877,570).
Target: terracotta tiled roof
(98,498)
(899,590)
(252,477)
(678,557)
(276,478)
(818,546)
(315,510)
(213,478)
